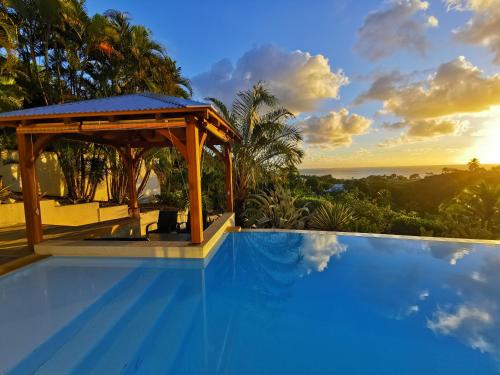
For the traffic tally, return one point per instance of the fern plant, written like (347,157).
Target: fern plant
(274,209)
(332,216)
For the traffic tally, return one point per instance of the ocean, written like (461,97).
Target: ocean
(361,172)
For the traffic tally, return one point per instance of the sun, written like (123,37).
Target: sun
(487,145)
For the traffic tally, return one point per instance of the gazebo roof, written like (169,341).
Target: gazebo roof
(101,106)
(129,118)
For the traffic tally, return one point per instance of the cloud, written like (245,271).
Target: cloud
(468,323)
(457,87)
(300,80)
(401,26)
(483,28)
(383,87)
(432,107)
(317,251)
(334,129)
(462,5)
(421,130)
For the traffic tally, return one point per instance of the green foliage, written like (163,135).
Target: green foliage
(371,218)
(270,146)
(176,199)
(83,166)
(168,165)
(474,212)
(63,54)
(413,225)
(117,175)
(332,216)
(311,202)
(274,209)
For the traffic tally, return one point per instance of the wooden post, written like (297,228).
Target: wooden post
(228,162)
(194,179)
(32,214)
(133,205)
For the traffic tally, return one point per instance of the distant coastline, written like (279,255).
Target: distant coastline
(361,172)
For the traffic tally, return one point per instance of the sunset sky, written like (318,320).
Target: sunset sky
(372,83)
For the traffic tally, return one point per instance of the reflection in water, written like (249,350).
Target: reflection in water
(318,249)
(475,320)
(270,303)
(466,322)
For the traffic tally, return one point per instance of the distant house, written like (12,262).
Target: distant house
(335,188)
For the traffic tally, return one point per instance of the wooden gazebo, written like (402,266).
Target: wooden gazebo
(127,122)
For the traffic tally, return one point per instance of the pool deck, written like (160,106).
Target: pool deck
(155,248)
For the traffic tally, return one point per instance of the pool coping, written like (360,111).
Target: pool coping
(376,235)
(20,263)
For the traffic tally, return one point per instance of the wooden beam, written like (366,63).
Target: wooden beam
(132,125)
(41,142)
(194,179)
(228,163)
(133,204)
(31,200)
(217,132)
(49,128)
(203,138)
(179,145)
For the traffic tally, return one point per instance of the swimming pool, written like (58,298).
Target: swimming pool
(265,303)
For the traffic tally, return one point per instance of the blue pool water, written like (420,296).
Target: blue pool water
(265,303)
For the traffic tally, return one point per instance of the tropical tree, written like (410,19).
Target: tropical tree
(117,175)
(83,166)
(482,202)
(476,207)
(11,95)
(269,146)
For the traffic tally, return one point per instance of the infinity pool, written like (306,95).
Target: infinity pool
(266,303)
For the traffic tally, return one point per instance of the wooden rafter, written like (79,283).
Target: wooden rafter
(179,145)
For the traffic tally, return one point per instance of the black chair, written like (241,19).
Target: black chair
(204,219)
(167,223)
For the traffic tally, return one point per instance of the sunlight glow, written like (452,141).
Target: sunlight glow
(487,146)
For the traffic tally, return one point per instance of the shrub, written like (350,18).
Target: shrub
(274,209)
(332,216)
(413,225)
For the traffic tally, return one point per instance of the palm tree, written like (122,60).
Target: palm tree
(11,95)
(473,164)
(134,62)
(269,145)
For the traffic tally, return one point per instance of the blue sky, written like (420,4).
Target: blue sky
(198,34)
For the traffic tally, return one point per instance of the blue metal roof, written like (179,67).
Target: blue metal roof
(122,103)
